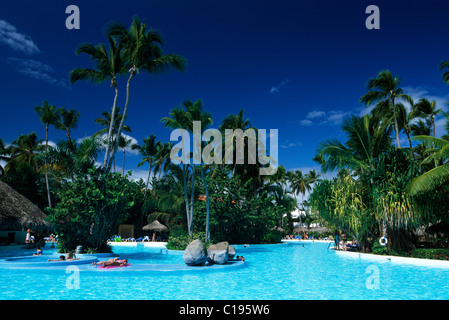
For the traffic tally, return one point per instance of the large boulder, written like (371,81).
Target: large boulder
(195,254)
(231,252)
(218,253)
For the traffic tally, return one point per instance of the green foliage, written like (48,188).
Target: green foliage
(379,249)
(236,214)
(272,236)
(90,210)
(425,253)
(180,239)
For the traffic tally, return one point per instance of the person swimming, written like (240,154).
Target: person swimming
(111,262)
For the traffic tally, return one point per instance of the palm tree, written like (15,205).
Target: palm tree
(111,123)
(320,159)
(427,109)
(163,156)
(195,113)
(366,139)
(49,115)
(3,155)
(24,150)
(177,119)
(148,151)
(385,90)
(436,176)
(142,50)
(68,121)
(108,66)
(405,119)
(124,143)
(313,177)
(299,184)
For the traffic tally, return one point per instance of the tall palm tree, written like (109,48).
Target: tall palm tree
(321,160)
(163,156)
(427,109)
(405,119)
(69,120)
(299,184)
(148,151)
(313,177)
(124,143)
(24,150)
(195,113)
(178,119)
(385,90)
(108,65)
(111,122)
(49,115)
(3,155)
(142,50)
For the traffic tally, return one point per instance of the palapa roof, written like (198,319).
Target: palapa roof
(155,226)
(16,211)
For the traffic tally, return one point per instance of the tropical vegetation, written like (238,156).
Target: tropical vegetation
(382,188)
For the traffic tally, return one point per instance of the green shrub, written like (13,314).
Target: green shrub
(425,253)
(379,249)
(272,236)
(180,240)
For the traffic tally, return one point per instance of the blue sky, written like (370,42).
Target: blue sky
(296,66)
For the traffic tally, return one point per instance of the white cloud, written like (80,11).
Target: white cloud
(315,114)
(11,37)
(276,89)
(36,70)
(329,118)
(306,123)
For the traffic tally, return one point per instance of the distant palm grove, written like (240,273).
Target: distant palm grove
(391,181)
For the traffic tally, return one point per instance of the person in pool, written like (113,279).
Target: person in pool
(61,258)
(111,262)
(71,256)
(38,252)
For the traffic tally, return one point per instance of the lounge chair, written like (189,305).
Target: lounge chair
(139,239)
(146,238)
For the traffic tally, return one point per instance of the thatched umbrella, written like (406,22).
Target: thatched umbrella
(155,226)
(17,212)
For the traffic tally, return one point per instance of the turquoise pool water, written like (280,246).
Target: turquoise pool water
(272,272)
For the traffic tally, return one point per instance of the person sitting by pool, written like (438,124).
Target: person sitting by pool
(38,252)
(71,256)
(61,258)
(111,262)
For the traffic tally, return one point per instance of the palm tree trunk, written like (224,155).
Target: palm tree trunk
(207,205)
(411,147)
(186,198)
(396,128)
(192,193)
(123,170)
(148,181)
(122,121)
(46,175)
(111,124)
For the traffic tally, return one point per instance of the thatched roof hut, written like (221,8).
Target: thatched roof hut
(155,226)
(17,212)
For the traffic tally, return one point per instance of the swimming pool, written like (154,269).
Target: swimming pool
(270,272)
